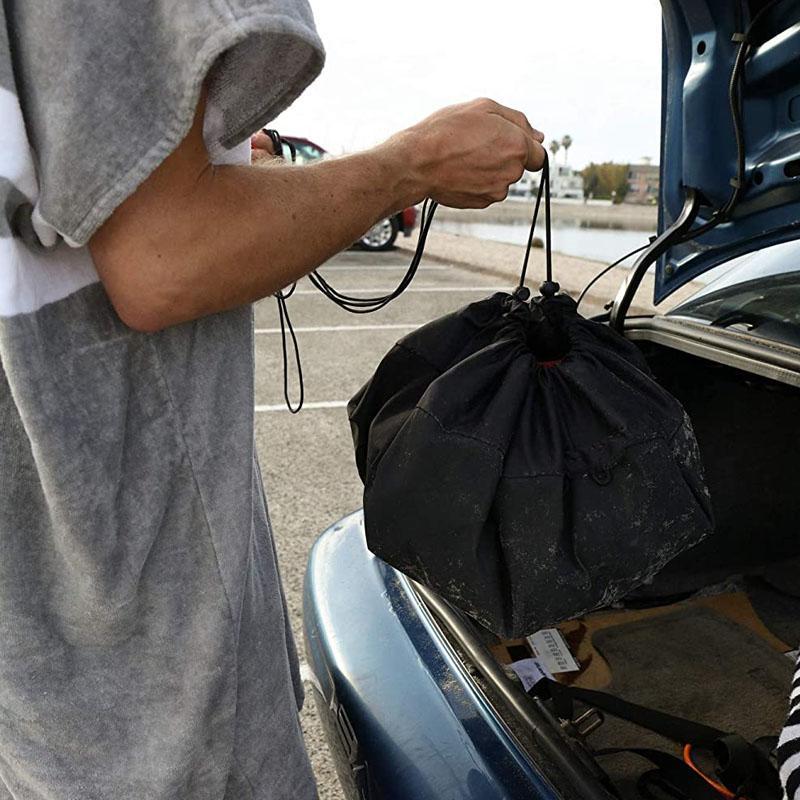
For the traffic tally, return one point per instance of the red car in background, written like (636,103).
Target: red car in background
(380,236)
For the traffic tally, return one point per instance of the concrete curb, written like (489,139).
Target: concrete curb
(504,261)
(628,216)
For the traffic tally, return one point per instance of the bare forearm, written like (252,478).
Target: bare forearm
(236,234)
(285,221)
(195,239)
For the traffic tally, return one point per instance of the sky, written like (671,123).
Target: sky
(585,68)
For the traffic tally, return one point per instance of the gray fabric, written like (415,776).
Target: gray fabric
(6,70)
(108,92)
(145,650)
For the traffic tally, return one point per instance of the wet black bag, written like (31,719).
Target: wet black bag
(521,461)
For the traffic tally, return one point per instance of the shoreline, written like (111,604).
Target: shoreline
(504,261)
(625,216)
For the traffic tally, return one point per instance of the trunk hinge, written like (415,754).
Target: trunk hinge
(670,237)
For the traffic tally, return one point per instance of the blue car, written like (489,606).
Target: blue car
(419,702)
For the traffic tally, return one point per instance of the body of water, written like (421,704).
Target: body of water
(598,243)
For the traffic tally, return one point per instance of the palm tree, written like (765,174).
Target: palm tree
(555,146)
(566,143)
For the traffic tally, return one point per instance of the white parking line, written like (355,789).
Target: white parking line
(380,268)
(335,328)
(414,290)
(307,676)
(306,406)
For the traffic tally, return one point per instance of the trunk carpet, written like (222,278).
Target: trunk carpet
(779,611)
(696,664)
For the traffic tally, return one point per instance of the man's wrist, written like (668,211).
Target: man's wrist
(403,166)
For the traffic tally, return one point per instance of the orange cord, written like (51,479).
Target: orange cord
(723,790)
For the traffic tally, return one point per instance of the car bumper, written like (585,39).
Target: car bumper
(403,718)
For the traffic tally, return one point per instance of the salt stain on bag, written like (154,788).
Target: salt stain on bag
(522,462)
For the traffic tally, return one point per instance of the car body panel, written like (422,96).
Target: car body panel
(758,295)
(304,150)
(403,717)
(408,219)
(698,146)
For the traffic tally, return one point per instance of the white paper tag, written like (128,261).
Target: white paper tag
(530,672)
(552,652)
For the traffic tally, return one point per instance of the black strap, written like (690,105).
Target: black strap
(743,767)
(677,729)
(671,775)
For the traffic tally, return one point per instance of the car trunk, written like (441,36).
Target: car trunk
(708,638)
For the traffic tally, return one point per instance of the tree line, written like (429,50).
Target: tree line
(606,181)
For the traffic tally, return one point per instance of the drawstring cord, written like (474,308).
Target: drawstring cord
(367,305)
(282,296)
(355,305)
(549,288)
(286,325)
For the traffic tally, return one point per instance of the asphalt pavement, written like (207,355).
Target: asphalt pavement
(307,458)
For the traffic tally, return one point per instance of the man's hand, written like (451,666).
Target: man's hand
(195,240)
(468,155)
(262,150)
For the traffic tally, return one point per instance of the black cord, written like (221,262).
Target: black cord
(735,85)
(355,305)
(549,287)
(745,40)
(286,324)
(608,269)
(548,249)
(366,305)
(278,143)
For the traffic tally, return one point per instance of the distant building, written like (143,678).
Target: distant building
(643,181)
(565,182)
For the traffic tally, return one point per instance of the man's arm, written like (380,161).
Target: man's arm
(195,239)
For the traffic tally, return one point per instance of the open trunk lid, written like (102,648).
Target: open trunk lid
(698,141)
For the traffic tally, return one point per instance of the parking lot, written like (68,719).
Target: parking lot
(307,459)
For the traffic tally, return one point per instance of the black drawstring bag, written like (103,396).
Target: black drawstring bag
(521,461)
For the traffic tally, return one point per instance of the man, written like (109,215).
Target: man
(263,149)
(144,646)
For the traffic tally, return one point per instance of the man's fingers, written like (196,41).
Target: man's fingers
(260,141)
(459,200)
(536,155)
(533,138)
(534,158)
(518,119)
(483,148)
